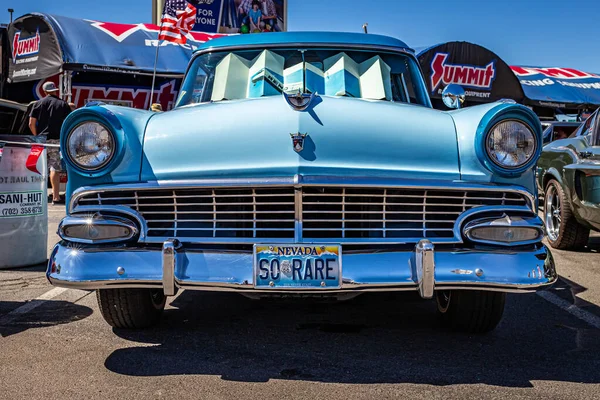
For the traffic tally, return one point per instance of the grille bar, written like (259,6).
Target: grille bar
(305,213)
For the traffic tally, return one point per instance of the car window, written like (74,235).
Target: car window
(251,73)
(596,129)
(586,129)
(563,131)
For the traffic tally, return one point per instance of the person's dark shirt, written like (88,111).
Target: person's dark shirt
(50,113)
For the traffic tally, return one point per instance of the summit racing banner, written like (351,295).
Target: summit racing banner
(43,45)
(483,75)
(559,87)
(34,50)
(120,91)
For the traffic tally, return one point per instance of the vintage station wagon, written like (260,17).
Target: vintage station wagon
(303,165)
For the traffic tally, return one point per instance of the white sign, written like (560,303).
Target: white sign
(21,204)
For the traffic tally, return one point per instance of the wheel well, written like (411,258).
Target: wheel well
(546,180)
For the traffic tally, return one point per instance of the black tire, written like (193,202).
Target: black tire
(562,229)
(131,308)
(470,311)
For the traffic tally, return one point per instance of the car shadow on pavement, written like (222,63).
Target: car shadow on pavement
(48,313)
(594,244)
(372,339)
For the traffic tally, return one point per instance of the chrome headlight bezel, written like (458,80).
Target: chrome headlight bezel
(111,140)
(507,167)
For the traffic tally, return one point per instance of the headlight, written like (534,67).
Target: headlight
(510,144)
(90,145)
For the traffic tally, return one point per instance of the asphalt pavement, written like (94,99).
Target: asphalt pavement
(55,344)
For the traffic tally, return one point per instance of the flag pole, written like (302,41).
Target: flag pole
(156,56)
(154,73)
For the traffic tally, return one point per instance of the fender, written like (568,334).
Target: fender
(583,204)
(552,173)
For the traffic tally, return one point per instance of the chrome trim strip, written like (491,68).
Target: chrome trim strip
(139,284)
(347,242)
(169,261)
(425,268)
(298,220)
(306,45)
(229,288)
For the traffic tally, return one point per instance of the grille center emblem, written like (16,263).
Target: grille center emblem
(298,141)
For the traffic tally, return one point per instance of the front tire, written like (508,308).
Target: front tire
(470,311)
(562,229)
(131,308)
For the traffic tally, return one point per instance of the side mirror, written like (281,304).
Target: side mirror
(453,96)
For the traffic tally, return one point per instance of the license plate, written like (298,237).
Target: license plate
(297,266)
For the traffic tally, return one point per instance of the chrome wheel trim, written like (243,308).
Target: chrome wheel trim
(443,298)
(552,213)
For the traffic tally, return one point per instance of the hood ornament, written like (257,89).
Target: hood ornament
(298,141)
(299,101)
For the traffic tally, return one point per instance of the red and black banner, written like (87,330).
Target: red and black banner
(34,50)
(484,76)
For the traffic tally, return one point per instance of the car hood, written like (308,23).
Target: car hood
(345,137)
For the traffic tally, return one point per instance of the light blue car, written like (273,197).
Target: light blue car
(303,165)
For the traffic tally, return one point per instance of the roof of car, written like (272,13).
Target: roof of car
(305,38)
(561,123)
(13,104)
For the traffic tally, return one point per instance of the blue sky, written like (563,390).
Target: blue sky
(523,32)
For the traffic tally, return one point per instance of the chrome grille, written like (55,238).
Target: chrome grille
(209,213)
(335,214)
(390,213)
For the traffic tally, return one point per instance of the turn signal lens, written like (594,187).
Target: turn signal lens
(505,234)
(97,232)
(96,229)
(506,230)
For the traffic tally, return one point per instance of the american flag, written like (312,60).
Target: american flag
(178,19)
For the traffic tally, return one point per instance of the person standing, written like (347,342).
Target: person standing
(243,10)
(46,119)
(269,14)
(255,15)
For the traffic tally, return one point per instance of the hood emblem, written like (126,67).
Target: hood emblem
(299,101)
(298,141)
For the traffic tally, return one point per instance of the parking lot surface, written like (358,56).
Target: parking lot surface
(55,344)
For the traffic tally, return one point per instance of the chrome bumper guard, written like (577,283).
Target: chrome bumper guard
(169,260)
(425,269)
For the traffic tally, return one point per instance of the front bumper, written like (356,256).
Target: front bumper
(423,268)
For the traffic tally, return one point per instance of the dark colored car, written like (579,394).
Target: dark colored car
(569,177)
(14,118)
(555,130)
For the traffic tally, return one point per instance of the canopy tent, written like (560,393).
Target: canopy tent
(43,45)
(94,61)
(484,75)
(558,87)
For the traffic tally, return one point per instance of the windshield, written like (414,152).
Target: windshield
(257,73)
